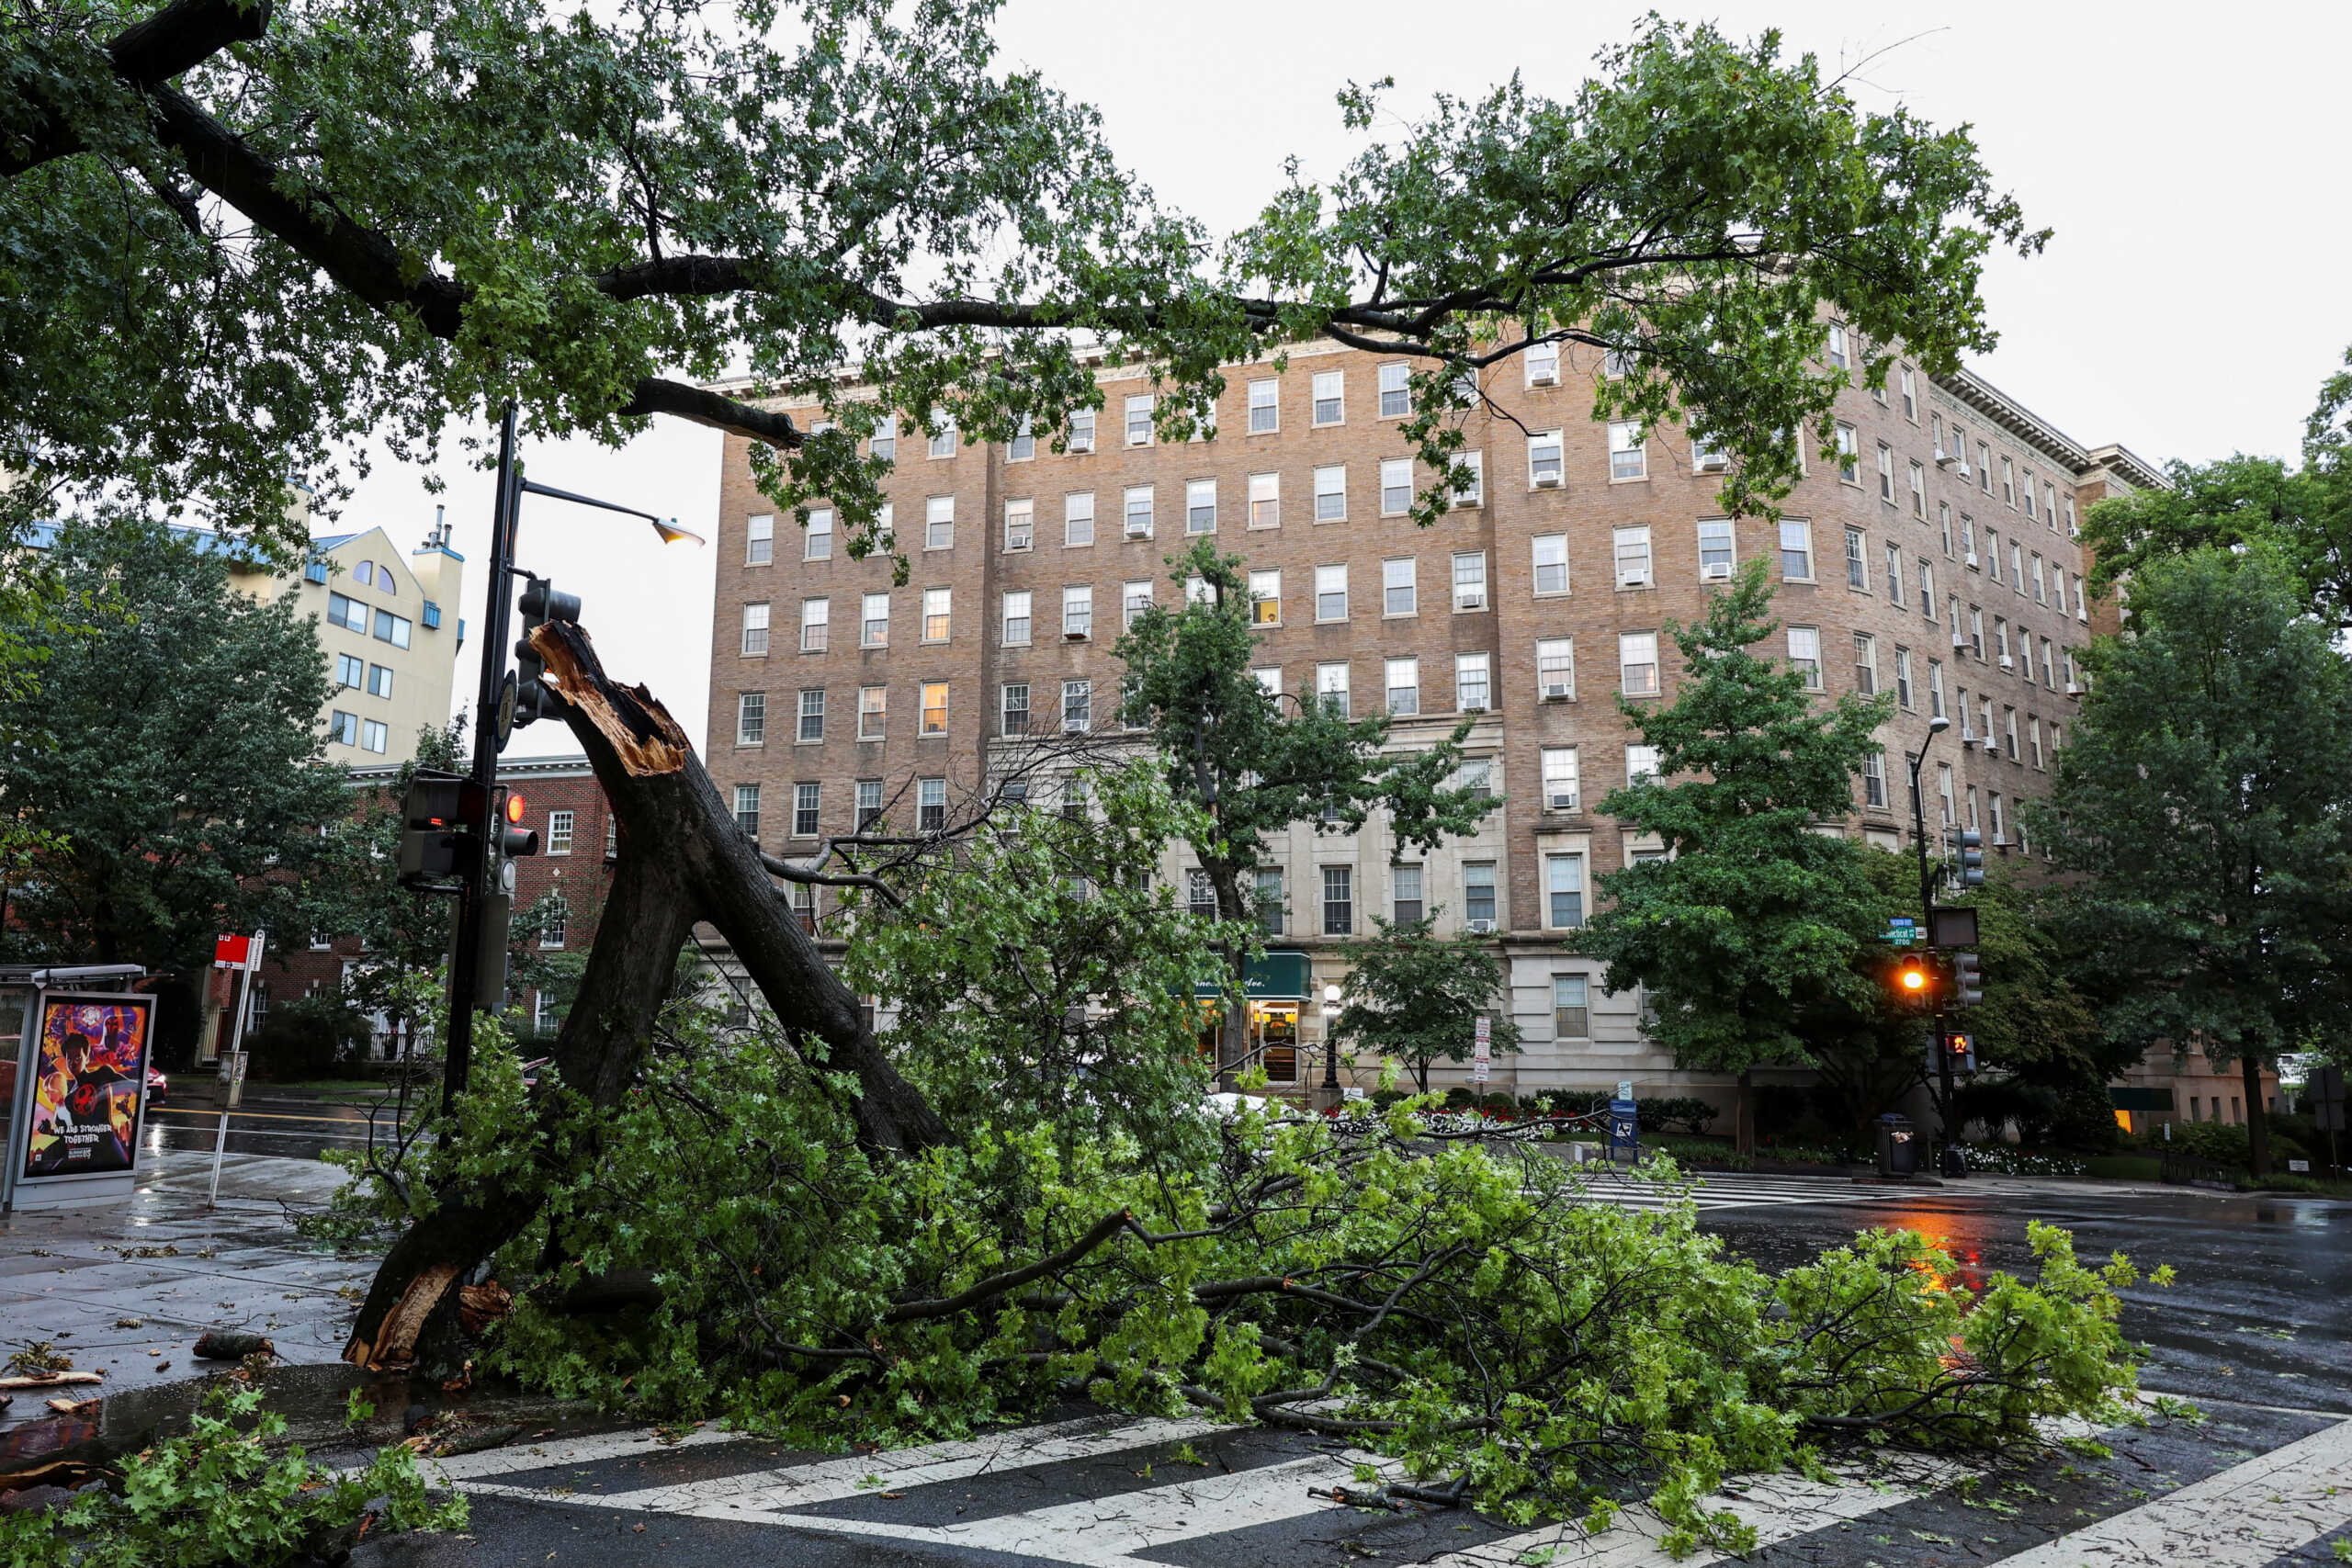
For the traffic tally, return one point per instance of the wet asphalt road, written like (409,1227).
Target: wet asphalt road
(289,1126)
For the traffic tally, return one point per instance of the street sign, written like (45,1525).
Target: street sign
(1902,931)
(1480,1068)
(232,953)
(1485,1031)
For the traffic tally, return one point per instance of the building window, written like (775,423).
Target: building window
(1543,459)
(2033,735)
(1796,551)
(873,630)
(375,734)
(1470,682)
(1555,669)
(1927,588)
(1400,594)
(2009,731)
(873,708)
(1894,575)
(1265,598)
(1849,461)
(1265,407)
(935,607)
(1077,612)
(1020,523)
(1858,570)
(884,442)
(1478,895)
(1081,431)
(1865,664)
(1919,492)
(1015,708)
(1564,891)
(1265,501)
(1135,598)
(348,614)
(1943,791)
(554,917)
(755,630)
(392,629)
(1200,895)
(1835,347)
(1804,655)
(1944,525)
(1632,556)
(1406,900)
(939,523)
(1715,550)
(1903,678)
(2030,511)
(1404,686)
(931,805)
(1637,663)
(805,800)
(869,804)
(1331,686)
(1641,764)
(1016,618)
(2008,481)
(1330,398)
(1330,494)
(815,617)
(1267,901)
(1395,391)
(1993,806)
(1542,363)
(1470,581)
(752,718)
(1339,900)
(1472,491)
(813,713)
(1551,564)
(1269,678)
(943,440)
(1199,506)
(2001,640)
(747,810)
(1078,518)
(1331,593)
(1874,780)
(1138,512)
(1910,395)
(1561,786)
(1078,706)
(1976,631)
(1936,688)
(1628,453)
(2048,666)
(1396,486)
(1885,472)
(759,540)
(350,671)
(379,679)
(934,708)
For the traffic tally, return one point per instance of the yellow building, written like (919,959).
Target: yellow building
(389,623)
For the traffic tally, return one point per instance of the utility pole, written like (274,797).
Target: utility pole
(1918,760)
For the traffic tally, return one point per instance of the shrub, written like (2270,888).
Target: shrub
(1685,1111)
(218,1495)
(2224,1143)
(308,1037)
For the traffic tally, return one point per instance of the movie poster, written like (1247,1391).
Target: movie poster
(89,1071)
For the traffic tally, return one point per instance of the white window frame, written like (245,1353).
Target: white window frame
(1470,582)
(1396,498)
(1401,686)
(1555,667)
(1265,501)
(759,540)
(1078,518)
(1396,390)
(1266,402)
(1550,544)
(1021,599)
(1401,574)
(1629,454)
(1562,779)
(755,630)
(1077,612)
(1473,682)
(1630,643)
(1328,389)
(1332,485)
(1805,654)
(1322,592)
(939,523)
(867,620)
(1630,549)
(1546,460)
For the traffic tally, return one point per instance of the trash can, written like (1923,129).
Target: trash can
(1898,1146)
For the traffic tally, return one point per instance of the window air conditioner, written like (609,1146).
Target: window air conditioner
(1556,690)
(1544,377)
(1559,802)
(1073,637)
(1080,444)
(1547,479)
(1472,602)
(1716,571)
(1946,459)
(2074,688)
(1479,928)
(1714,466)
(1139,531)
(1637,581)
(1958,640)
(2007,663)
(1972,558)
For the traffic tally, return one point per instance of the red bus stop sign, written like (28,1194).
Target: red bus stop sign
(232,952)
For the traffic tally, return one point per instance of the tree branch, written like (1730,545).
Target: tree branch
(655,395)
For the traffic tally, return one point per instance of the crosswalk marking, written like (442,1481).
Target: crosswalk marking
(2243,1518)
(1727,1191)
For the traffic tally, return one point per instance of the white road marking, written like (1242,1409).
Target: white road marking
(1728,1192)
(2240,1519)
(637,1440)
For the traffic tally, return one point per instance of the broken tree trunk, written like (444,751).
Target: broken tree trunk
(682,859)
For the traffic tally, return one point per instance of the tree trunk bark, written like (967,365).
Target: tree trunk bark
(682,858)
(2258,1117)
(1743,1115)
(1233,1026)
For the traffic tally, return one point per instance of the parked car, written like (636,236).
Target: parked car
(157,1084)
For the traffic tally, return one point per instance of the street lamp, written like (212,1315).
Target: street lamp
(1330,1048)
(480,905)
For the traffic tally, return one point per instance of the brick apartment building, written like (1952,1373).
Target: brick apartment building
(1937,561)
(577,850)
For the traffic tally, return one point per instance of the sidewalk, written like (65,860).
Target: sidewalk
(126,1289)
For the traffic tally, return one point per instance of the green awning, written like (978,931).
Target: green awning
(2136,1099)
(1277,974)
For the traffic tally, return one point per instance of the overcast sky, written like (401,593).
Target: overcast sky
(2193,297)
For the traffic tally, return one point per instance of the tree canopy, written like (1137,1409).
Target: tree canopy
(2302,515)
(1418,997)
(172,751)
(2202,797)
(295,226)
(1752,919)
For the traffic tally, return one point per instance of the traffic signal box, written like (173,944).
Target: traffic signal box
(442,819)
(541,604)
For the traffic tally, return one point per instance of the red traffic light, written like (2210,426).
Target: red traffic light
(514,807)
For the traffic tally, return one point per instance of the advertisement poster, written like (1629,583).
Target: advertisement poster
(89,1071)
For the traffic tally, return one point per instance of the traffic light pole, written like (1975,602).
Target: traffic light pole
(474,892)
(1948,1161)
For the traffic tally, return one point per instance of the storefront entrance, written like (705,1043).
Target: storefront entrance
(1276,987)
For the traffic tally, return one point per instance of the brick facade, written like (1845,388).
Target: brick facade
(978,563)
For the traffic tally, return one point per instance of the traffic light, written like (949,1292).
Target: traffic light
(1959,1048)
(541,604)
(1972,859)
(1915,983)
(440,822)
(1967,980)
